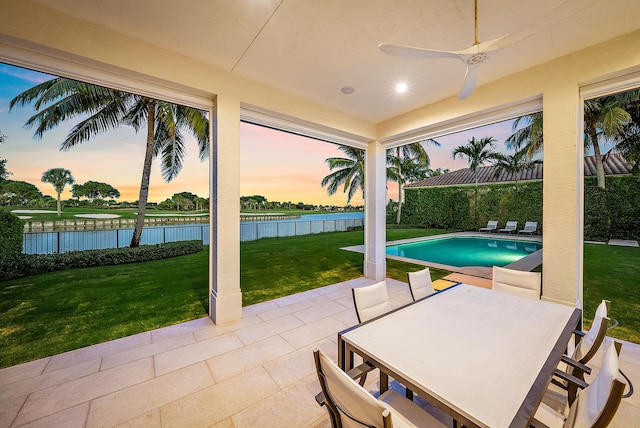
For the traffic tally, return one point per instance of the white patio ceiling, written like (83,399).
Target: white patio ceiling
(313,48)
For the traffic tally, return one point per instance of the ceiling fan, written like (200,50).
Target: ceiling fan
(479,52)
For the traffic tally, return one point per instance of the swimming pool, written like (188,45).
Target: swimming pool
(466,251)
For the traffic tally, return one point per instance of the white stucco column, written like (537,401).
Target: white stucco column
(225,302)
(375,262)
(562,197)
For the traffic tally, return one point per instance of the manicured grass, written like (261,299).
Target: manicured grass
(68,213)
(273,268)
(613,273)
(52,313)
(56,312)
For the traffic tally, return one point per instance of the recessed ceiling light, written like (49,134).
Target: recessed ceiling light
(347,90)
(401,87)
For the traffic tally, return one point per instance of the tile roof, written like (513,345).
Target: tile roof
(614,164)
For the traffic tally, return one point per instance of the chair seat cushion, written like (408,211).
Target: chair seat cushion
(405,413)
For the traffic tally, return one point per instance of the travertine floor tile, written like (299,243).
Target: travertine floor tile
(148,420)
(284,310)
(268,328)
(149,350)
(66,395)
(237,361)
(182,328)
(74,417)
(220,401)
(293,367)
(140,399)
(100,350)
(195,353)
(320,311)
(23,371)
(309,333)
(37,383)
(9,409)
(291,407)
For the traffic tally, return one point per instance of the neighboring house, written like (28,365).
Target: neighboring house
(614,164)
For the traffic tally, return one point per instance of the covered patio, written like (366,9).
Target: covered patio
(311,68)
(257,372)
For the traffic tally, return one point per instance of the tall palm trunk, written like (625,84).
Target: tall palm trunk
(399,188)
(146,174)
(598,156)
(59,204)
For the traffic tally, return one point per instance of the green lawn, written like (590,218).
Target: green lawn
(613,273)
(68,213)
(60,311)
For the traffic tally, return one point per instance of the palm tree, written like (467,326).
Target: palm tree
(350,172)
(513,165)
(409,163)
(59,178)
(477,153)
(605,119)
(61,99)
(528,137)
(629,141)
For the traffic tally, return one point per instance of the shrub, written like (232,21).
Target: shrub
(10,234)
(20,265)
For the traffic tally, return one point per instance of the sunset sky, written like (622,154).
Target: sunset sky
(280,166)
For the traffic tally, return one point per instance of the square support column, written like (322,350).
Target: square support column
(375,212)
(562,196)
(225,302)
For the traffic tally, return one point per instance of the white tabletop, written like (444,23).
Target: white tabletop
(475,350)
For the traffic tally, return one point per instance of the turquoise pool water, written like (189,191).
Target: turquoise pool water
(466,251)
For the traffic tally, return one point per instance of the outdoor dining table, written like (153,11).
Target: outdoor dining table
(482,356)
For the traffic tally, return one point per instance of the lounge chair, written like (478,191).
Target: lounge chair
(519,283)
(511,226)
(530,227)
(492,226)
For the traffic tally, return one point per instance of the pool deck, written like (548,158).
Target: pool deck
(254,372)
(527,263)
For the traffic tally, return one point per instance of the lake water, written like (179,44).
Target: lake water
(96,239)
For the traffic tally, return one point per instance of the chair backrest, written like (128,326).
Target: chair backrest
(531,225)
(420,284)
(371,301)
(511,225)
(492,224)
(519,283)
(596,405)
(349,404)
(591,341)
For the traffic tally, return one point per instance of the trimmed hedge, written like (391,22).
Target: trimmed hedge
(454,208)
(610,213)
(20,265)
(11,230)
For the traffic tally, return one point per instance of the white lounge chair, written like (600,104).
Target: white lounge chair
(530,227)
(511,226)
(519,283)
(492,226)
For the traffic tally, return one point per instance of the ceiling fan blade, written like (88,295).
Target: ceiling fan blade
(565,9)
(469,83)
(411,52)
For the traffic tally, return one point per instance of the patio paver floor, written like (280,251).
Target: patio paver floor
(255,372)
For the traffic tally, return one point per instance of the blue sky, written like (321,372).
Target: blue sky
(277,165)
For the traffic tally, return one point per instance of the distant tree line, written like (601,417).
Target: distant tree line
(185,201)
(259,202)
